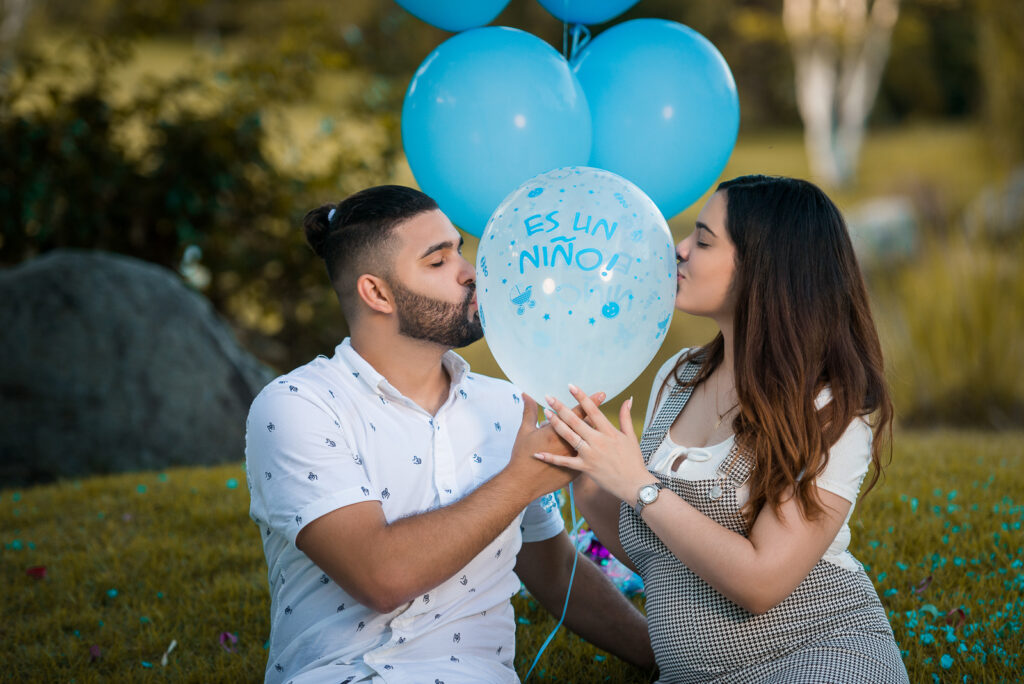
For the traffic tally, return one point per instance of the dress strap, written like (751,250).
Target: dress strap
(736,467)
(669,409)
(733,472)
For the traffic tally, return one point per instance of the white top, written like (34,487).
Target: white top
(848,462)
(334,432)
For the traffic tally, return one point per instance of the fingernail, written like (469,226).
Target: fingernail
(550,399)
(549,413)
(573,388)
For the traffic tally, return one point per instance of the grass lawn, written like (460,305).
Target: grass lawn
(134,562)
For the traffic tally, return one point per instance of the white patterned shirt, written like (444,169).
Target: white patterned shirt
(335,432)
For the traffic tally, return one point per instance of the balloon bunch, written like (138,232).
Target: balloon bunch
(648,99)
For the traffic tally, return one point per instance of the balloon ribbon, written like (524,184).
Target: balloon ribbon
(580,37)
(568,591)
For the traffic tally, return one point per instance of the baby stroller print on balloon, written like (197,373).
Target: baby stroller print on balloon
(522,299)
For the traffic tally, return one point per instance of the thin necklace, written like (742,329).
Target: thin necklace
(721,416)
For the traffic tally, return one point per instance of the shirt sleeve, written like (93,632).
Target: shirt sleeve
(848,461)
(542,519)
(299,462)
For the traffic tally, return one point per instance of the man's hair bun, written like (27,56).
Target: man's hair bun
(317,225)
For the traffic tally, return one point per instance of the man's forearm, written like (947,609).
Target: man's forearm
(416,554)
(597,610)
(599,613)
(384,565)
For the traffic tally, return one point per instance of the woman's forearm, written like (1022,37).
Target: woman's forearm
(756,573)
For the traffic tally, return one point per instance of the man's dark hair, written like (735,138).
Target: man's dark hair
(353,240)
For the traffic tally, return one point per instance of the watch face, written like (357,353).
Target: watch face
(648,493)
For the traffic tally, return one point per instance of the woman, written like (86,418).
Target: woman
(734,505)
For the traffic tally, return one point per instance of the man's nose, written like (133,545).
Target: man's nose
(467,274)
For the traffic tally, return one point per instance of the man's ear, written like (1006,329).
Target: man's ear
(375,293)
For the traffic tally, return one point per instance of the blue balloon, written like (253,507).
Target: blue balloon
(488,109)
(664,107)
(575,282)
(454,15)
(586,11)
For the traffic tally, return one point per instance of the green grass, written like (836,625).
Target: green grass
(135,561)
(950,512)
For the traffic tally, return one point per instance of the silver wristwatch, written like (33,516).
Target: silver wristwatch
(647,495)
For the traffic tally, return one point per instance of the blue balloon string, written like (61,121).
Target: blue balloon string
(580,37)
(568,591)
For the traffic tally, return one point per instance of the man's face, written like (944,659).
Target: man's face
(434,287)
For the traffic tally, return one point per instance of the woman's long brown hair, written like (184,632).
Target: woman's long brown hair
(802,323)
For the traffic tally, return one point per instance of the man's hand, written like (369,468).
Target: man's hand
(533,439)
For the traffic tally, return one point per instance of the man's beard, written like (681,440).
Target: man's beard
(433,320)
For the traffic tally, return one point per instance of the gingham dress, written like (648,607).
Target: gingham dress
(832,628)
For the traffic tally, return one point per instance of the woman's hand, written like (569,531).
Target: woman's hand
(608,455)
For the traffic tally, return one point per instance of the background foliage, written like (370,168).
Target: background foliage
(211,126)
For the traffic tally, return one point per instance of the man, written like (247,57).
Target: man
(390,483)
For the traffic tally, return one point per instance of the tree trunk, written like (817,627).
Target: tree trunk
(840,48)
(12,19)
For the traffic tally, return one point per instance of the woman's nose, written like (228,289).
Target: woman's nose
(682,251)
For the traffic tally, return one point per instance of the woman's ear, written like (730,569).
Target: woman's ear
(375,293)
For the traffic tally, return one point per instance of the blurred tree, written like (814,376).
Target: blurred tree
(1001,48)
(840,48)
(13,14)
(935,74)
(932,71)
(200,184)
(199,179)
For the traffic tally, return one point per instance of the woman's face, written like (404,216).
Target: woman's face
(705,263)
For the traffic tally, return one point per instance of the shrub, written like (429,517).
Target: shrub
(172,167)
(950,322)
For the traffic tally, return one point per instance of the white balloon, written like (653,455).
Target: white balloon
(575,282)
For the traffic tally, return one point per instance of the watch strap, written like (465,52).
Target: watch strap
(640,503)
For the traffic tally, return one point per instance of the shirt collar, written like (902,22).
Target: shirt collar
(457,367)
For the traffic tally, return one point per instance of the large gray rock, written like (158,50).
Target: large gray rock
(111,364)
(998,210)
(883,230)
